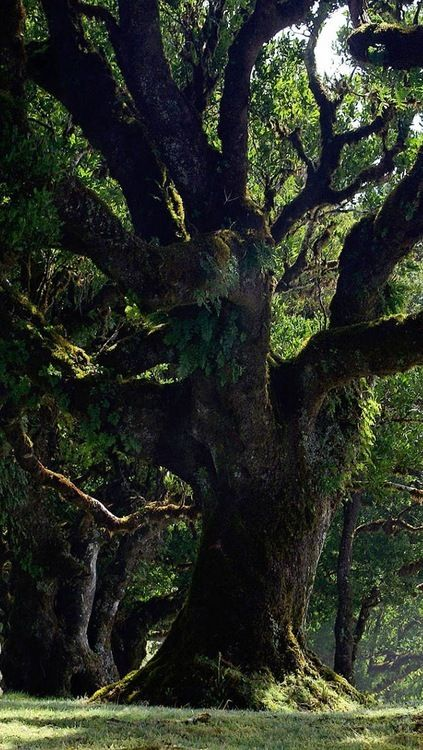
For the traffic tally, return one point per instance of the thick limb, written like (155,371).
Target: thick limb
(267,18)
(79,76)
(162,277)
(150,516)
(391,45)
(339,356)
(172,123)
(373,248)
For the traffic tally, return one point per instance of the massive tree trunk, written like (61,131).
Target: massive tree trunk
(245,609)
(264,525)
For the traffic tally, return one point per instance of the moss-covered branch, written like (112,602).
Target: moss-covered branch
(381,348)
(162,277)
(391,525)
(391,45)
(150,514)
(172,123)
(338,356)
(150,420)
(29,462)
(32,347)
(373,248)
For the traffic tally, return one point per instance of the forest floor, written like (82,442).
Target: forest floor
(30,724)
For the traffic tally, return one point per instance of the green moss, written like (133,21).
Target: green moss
(205,682)
(388,44)
(176,209)
(66,353)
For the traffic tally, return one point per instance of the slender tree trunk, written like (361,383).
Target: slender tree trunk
(110,592)
(81,667)
(344,623)
(368,602)
(348,630)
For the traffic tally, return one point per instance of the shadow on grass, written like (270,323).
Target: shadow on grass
(29,724)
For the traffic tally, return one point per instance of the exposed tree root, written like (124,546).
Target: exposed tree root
(204,682)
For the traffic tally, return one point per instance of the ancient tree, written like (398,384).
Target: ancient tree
(264,442)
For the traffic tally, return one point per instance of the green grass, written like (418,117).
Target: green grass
(30,724)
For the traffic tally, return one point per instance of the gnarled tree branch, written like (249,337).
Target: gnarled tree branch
(69,68)
(338,356)
(391,45)
(162,277)
(172,123)
(396,667)
(268,17)
(28,461)
(389,526)
(373,248)
(152,515)
(318,189)
(154,418)
(99,13)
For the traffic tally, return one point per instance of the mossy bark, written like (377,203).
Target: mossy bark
(46,649)
(61,604)
(241,629)
(266,515)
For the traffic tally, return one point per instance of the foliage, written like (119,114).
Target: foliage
(393,454)
(170,572)
(206,341)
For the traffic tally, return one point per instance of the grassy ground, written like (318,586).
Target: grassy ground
(29,724)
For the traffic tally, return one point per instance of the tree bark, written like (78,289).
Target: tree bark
(263,531)
(244,613)
(46,650)
(265,453)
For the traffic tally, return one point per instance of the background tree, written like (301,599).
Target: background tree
(373,555)
(201,231)
(65,581)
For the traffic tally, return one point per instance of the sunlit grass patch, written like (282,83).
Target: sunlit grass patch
(30,724)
